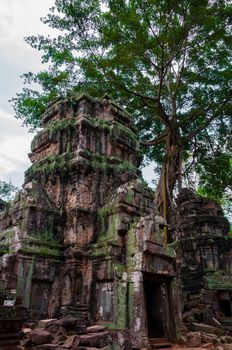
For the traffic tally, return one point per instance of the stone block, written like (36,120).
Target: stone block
(226,339)
(209,338)
(98,340)
(39,336)
(193,339)
(71,342)
(227,346)
(47,347)
(26,330)
(46,323)
(96,329)
(60,335)
(201,327)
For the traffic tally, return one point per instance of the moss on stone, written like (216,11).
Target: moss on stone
(49,164)
(6,234)
(129,197)
(171,249)
(42,251)
(44,236)
(217,280)
(103,214)
(131,239)
(112,127)
(104,162)
(59,125)
(4,248)
(120,305)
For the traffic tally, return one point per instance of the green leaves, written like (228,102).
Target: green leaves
(168,62)
(7,189)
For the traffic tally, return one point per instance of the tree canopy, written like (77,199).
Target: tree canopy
(167,62)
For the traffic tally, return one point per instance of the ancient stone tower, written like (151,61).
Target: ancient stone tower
(82,238)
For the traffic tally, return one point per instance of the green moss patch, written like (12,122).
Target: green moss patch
(49,164)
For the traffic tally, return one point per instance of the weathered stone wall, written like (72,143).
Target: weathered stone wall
(83,237)
(203,248)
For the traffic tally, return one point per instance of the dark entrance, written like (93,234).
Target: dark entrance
(224,304)
(158,307)
(225,309)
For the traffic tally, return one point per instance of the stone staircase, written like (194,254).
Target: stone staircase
(159,343)
(8,341)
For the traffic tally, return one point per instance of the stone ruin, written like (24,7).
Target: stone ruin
(83,240)
(204,258)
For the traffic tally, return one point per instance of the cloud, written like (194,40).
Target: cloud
(14,146)
(18,19)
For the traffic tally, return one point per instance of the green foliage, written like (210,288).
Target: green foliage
(62,124)
(218,280)
(49,164)
(45,236)
(168,62)
(7,190)
(215,174)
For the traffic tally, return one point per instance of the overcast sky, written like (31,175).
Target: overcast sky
(18,19)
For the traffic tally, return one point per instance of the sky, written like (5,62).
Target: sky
(19,19)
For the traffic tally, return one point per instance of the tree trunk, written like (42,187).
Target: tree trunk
(170,174)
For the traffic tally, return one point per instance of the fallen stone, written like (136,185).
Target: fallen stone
(209,338)
(31,325)
(226,339)
(76,343)
(96,329)
(78,330)
(193,339)
(227,346)
(46,323)
(59,336)
(68,343)
(47,347)
(53,328)
(26,330)
(72,325)
(201,327)
(98,340)
(194,342)
(193,334)
(39,336)
(25,342)
(219,347)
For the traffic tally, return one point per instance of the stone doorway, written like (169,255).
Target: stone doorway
(40,296)
(157,292)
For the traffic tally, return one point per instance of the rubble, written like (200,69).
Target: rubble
(53,334)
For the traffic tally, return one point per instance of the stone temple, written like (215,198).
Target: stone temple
(83,238)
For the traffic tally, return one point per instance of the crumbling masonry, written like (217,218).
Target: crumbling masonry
(83,237)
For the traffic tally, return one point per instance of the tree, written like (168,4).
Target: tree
(7,189)
(168,62)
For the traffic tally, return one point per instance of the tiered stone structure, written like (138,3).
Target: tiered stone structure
(203,250)
(83,238)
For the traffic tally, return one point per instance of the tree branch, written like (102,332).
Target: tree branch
(156,140)
(205,125)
